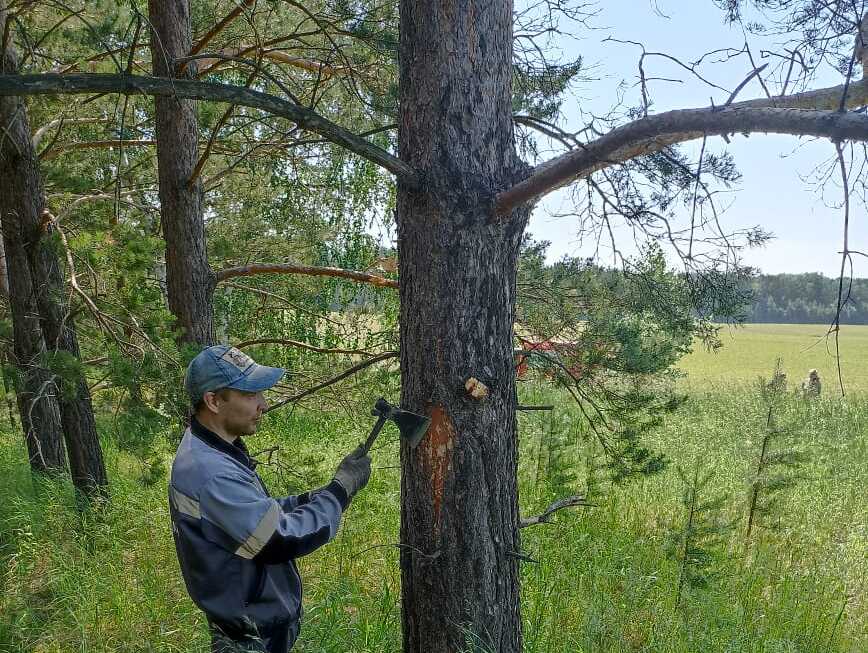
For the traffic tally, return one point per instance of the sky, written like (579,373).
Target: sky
(775,190)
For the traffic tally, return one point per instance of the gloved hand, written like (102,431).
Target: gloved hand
(354,471)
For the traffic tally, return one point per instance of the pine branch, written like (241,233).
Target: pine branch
(657,132)
(54,84)
(340,377)
(314,271)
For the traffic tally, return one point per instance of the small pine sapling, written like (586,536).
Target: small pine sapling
(775,463)
(693,544)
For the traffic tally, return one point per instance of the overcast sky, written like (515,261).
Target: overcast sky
(773,192)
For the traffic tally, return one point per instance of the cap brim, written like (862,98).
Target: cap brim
(260,378)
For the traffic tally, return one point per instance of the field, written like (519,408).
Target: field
(751,351)
(598,579)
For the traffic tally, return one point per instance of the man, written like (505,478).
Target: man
(237,545)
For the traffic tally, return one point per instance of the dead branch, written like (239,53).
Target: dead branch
(57,150)
(545,516)
(340,377)
(278,56)
(303,345)
(53,84)
(294,268)
(214,31)
(39,134)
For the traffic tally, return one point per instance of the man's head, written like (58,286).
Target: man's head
(226,389)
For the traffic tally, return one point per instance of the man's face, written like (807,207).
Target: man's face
(239,412)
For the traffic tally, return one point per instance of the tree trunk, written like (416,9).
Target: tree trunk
(34,388)
(37,404)
(459,518)
(24,189)
(76,409)
(189,279)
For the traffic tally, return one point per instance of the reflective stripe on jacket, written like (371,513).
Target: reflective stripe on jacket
(236,545)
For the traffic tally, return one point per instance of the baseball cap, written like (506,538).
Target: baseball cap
(222,366)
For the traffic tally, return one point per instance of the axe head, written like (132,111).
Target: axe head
(411,426)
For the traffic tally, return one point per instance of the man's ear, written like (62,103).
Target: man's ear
(211,400)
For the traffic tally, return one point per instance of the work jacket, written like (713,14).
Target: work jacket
(237,545)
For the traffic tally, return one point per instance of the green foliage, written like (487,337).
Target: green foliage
(776,458)
(612,339)
(696,544)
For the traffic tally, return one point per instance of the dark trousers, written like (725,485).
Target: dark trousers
(278,639)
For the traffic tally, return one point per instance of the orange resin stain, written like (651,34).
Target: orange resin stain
(437,450)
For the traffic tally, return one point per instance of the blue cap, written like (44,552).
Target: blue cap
(222,366)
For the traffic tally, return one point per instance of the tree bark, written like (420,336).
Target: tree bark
(189,279)
(26,238)
(459,512)
(34,388)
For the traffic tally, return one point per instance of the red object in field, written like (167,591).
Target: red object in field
(565,348)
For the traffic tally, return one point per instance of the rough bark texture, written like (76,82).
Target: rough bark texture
(37,309)
(459,523)
(27,238)
(189,279)
(37,405)
(76,409)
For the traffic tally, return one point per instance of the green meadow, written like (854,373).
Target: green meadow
(596,579)
(750,351)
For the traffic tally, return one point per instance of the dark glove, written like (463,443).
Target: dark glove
(354,471)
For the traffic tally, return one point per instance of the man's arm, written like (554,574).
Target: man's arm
(255,526)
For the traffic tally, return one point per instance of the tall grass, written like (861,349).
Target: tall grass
(601,581)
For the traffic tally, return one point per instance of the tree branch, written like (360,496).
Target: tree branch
(39,134)
(340,377)
(57,150)
(278,56)
(302,345)
(814,113)
(545,516)
(313,271)
(214,31)
(54,84)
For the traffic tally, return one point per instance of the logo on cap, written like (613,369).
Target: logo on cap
(237,358)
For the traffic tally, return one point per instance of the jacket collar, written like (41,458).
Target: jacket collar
(238,450)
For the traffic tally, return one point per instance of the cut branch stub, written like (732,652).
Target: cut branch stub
(476,388)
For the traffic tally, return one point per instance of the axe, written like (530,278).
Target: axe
(411,426)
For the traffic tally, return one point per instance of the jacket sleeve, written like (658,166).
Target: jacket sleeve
(257,527)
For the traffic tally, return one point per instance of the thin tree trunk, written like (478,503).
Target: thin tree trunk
(76,408)
(37,405)
(23,188)
(459,518)
(4,273)
(189,279)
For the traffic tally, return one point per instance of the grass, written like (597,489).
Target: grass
(602,581)
(751,350)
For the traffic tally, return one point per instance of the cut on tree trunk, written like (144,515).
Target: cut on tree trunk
(459,512)
(189,279)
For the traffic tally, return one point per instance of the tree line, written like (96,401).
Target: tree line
(807,298)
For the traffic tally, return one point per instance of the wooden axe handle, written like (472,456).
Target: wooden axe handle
(366,447)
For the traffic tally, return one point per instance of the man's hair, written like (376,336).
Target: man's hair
(220,392)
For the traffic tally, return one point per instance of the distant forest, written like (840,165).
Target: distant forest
(806,299)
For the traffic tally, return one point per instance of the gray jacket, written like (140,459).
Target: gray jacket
(237,545)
